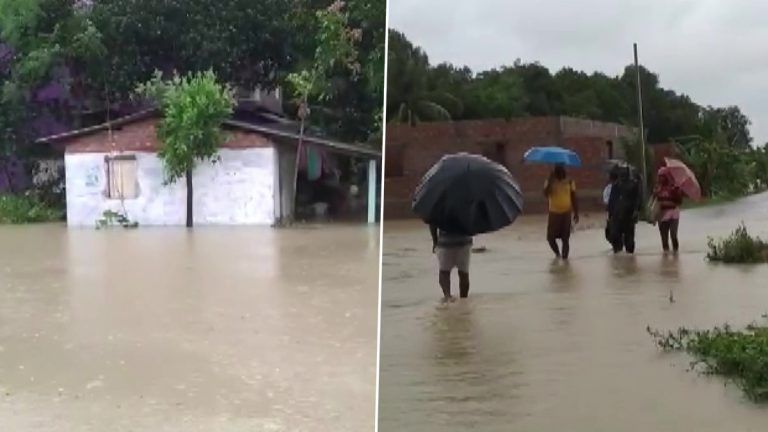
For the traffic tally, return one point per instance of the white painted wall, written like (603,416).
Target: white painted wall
(239,190)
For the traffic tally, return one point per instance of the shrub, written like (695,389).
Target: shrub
(738,247)
(741,356)
(19,209)
(48,184)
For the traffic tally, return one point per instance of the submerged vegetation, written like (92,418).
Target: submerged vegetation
(20,209)
(738,247)
(112,218)
(739,355)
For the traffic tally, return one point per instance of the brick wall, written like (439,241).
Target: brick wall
(414,150)
(581,127)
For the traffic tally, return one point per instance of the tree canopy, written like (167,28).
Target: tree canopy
(530,89)
(98,51)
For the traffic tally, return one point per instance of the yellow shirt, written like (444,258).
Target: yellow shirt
(560,196)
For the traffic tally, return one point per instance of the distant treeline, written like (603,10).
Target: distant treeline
(419,91)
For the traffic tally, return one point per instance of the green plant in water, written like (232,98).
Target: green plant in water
(20,209)
(738,247)
(110,218)
(739,355)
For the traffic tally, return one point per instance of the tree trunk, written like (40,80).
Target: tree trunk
(189,198)
(302,114)
(5,163)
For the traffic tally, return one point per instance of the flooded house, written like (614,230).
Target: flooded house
(115,166)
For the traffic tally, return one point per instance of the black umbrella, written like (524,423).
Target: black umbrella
(468,194)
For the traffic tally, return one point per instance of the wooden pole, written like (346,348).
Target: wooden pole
(640,125)
(372,195)
(303,113)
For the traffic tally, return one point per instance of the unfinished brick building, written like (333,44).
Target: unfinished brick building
(412,150)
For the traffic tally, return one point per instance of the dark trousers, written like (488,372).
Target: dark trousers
(559,227)
(622,235)
(668,228)
(444,277)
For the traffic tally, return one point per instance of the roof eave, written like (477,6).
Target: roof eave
(58,138)
(355,150)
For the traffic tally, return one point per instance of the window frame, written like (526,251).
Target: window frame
(108,167)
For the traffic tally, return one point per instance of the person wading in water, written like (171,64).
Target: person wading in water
(563,205)
(624,207)
(669,197)
(613,177)
(453,251)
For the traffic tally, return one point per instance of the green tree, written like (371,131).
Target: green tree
(48,36)
(543,98)
(112,45)
(760,157)
(703,157)
(194,107)
(351,108)
(614,106)
(578,95)
(496,94)
(336,49)
(11,119)
(720,169)
(448,86)
(409,99)
(370,16)
(731,121)
(246,43)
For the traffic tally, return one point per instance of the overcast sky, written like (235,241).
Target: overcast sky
(716,51)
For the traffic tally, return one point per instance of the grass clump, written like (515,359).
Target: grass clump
(738,247)
(22,209)
(739,355)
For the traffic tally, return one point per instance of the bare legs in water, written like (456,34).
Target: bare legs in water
(445,284)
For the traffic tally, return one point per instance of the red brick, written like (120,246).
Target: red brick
(426,143)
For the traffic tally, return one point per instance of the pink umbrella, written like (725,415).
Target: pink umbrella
(683,178)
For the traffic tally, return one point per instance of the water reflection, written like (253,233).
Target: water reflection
(624,266)
(670,267)
(472,363)
(562,275)
(453,333)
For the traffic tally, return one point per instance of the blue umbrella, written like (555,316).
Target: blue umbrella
(552,155)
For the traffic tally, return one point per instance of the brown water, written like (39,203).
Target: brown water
(546,346)
(235,329)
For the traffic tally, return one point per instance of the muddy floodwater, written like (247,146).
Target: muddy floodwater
(217,329)
(546,346)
